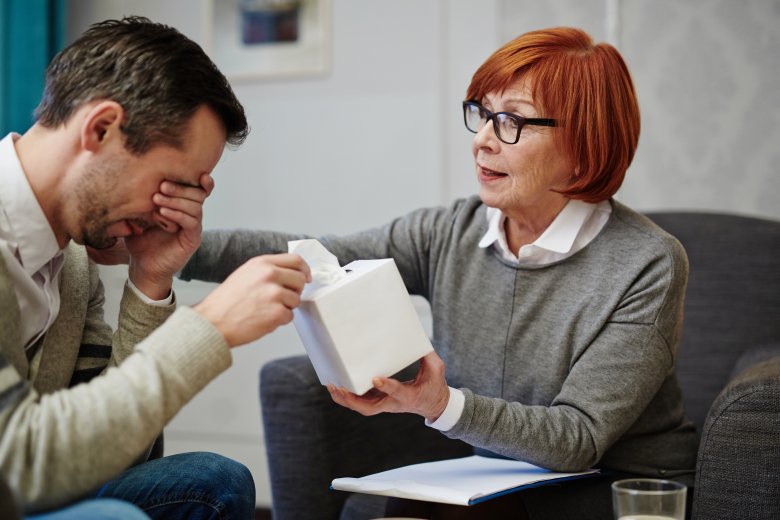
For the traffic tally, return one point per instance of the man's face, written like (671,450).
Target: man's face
(115,193)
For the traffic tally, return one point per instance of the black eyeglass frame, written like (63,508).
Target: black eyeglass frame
(519,120)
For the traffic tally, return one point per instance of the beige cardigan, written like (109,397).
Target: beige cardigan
(58,442)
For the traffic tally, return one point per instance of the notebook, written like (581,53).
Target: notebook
(462,481)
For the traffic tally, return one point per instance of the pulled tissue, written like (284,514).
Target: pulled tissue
(324,265)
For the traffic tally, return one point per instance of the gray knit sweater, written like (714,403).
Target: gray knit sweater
(568,365)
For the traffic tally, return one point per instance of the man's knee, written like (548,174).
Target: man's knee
(228,478)
(222,471)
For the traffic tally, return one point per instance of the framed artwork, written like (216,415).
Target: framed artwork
(269,39)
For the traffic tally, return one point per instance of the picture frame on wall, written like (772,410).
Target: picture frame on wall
(269,39)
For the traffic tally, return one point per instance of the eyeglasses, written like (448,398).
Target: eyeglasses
(506,125)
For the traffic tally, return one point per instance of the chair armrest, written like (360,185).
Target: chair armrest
(310,440)
(158,447)
(736,473)
(9,505)
(754,356)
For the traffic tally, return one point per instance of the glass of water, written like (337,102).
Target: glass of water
(648,499)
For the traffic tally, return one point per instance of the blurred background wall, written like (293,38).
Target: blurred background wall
(381,133)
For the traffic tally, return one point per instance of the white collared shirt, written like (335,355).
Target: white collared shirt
(30,250)
(29,247)
(575,227)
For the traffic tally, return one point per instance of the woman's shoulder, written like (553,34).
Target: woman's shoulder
(645,235)
(632,242)
(463,206)
(459,214)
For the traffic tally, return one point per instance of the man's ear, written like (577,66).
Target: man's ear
(101,125)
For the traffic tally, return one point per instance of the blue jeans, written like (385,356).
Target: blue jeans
(95,509)
(192,486)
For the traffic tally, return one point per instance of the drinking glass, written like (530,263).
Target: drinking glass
(648,499)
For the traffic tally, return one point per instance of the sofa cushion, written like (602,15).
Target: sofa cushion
(737,471)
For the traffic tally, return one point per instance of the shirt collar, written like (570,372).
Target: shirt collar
(559,236)
(24,223)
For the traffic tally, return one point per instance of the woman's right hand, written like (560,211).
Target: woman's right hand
(427,395)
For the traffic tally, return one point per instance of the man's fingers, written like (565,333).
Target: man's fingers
(286,260)
(165,223)
(207,183)
(182,205)
(182,191)
(174,214)
(176,220)
(292,279)
(291,261)
(286,271)
(179,206)
(290,299)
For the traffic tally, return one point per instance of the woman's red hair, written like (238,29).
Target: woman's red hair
(587,88)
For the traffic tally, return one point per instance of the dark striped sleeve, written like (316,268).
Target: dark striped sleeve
(92,361)
(13,393)
(13,390)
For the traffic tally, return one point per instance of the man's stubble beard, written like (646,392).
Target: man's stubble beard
(93,192)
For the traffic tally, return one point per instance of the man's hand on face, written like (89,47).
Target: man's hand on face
(160,251)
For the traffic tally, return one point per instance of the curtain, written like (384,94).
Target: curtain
(31,33)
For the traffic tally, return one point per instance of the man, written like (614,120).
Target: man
(134,117)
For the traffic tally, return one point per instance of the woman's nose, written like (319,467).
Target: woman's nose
(486,137)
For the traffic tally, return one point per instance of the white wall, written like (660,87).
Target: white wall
(709,80)
(384,135)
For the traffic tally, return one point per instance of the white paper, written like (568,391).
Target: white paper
(454,481)
(323,264)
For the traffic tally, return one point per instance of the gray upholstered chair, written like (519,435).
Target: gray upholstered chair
(729,361)
(729,368)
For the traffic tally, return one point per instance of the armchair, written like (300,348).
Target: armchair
(728,366)
(729,361)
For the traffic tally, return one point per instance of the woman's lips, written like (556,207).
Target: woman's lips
(486,174)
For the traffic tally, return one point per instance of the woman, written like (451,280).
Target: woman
(557,311)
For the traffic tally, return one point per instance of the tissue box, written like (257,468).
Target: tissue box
(361,326)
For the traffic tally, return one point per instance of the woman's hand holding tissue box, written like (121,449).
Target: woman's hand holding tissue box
(256,298)
(427,395)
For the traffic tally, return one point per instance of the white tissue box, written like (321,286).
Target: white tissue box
(361,326)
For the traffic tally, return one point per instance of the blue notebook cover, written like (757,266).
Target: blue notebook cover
(463,481)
